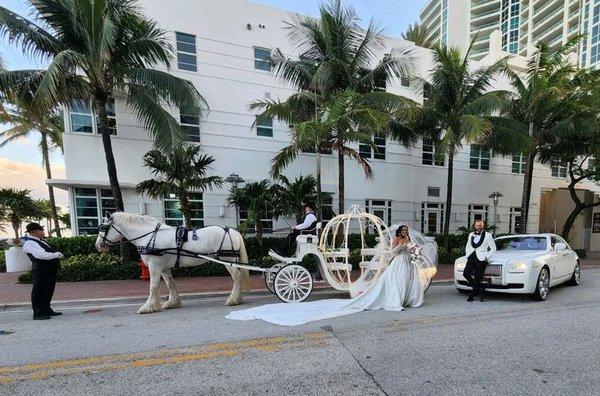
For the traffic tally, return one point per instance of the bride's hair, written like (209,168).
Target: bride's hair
(399,231)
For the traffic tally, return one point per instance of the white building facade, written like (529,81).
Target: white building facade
(522,24)
(222,48)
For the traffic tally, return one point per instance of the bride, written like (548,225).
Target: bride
(398,286)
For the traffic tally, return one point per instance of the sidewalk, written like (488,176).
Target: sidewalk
(12,293)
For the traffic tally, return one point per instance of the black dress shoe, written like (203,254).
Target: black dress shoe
(41,317)
(482,299)
(54,313)
(470,298)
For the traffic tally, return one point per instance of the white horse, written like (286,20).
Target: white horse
(145,231)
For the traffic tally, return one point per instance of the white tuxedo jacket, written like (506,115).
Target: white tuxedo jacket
(485,251)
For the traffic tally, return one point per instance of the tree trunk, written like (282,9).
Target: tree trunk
(15,226)
(111,167)
(526,197)
(448,206)
(46,158)
(571,220)
(341,186)
(258,226)
(185,209)
(319,188)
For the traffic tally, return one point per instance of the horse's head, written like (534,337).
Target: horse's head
(108,234)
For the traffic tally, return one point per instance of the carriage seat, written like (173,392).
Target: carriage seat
(307,238)
(313,230)
(339,266)
(369,252)
(369,265)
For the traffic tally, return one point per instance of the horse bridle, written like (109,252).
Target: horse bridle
(105,227)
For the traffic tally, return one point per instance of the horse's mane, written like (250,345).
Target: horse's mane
(131,218)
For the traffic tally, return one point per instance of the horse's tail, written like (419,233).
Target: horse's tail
(244,260)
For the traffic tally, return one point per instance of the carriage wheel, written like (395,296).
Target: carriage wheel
(270,276)
(293,283)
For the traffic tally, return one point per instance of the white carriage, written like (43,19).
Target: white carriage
(291,282)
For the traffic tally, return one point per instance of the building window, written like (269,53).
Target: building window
(190,122)
(377,152)
(112,117)
(433,192)
(266,221)
(429,154)
(515,219)
(262,59)
(327,206)
(480,157)
(381,209)
(593,165)
(477,212)
(432,218)
(444,27)
(186,52)
(91,205)
(264,126)
(559,170)
(518,164)
(81,117)
(174,215)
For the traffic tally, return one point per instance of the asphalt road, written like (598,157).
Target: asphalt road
(507,345)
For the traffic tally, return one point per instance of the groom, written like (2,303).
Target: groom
(479,250)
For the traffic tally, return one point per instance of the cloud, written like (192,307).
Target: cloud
(21,175)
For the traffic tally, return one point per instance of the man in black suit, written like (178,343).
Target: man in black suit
(45,261)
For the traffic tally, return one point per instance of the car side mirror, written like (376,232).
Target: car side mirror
(559,247)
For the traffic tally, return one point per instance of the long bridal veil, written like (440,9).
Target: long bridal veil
(398,286)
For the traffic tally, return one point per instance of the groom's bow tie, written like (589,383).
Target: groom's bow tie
(477,233)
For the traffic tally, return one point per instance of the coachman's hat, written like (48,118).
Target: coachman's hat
(34,227)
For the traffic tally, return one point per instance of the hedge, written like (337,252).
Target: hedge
(92,267)
(2,261)
(83,263)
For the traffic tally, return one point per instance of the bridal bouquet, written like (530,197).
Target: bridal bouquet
(415,252)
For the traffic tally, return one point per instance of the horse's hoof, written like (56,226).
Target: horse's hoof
(147,309)
(232,301)
(172,304)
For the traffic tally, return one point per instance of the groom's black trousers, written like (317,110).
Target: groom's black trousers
(473,273)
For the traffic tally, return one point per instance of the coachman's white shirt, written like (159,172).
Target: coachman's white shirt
(485,251)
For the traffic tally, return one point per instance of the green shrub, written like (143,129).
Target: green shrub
(2,261)
(92,267)
(444,258)
(582,253)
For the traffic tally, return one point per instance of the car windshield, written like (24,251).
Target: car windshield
(521,243)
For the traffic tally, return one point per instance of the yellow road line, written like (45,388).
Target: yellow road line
(94,364)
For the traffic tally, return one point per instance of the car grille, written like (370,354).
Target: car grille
(493,270)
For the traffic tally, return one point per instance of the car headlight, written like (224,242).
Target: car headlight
(518,267)
(460,264)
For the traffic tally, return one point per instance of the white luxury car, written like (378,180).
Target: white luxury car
(526,264)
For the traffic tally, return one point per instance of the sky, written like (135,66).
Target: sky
(20,163)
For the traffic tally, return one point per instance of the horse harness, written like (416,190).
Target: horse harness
(181,237)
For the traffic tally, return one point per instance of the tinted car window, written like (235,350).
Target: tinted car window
(521,243)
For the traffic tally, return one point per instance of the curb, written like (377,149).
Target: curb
(201,295)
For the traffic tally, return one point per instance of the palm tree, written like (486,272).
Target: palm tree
(455,109)
(26,117)
(336,56)
(258,199)
(418,34)
(16,206)
(544,107)
(180,172)
(100,49)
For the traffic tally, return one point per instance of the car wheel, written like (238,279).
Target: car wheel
(542,287)
(576,277)
(463,291)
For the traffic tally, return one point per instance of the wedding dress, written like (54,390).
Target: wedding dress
(397,287)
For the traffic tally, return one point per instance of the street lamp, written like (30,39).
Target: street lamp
(495,196)
(235,179)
